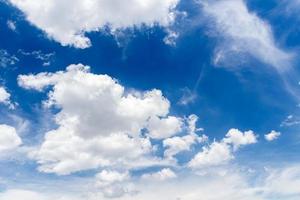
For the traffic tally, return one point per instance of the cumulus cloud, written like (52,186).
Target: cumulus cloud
(238,138)
(164,128)
(76,18)
(273,135)
(175,145)
(161,175)
(243,33)
(99,123)
(220,153)
(5,98)
(113,183)
(9,138)
(214,155)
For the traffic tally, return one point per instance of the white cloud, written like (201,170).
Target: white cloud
(9,138)
(113,183)
(175,145)
(99,122)
(238,138)
(243,33)
(273,135)
(78,17)
(220,153)
(11,25)
(5,98)
(161,175)
(214,155)
(164,128)
(4,95)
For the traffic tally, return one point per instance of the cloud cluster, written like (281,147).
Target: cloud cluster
(78,17)
(100,123)
(103,126)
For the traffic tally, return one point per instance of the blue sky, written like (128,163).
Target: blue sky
(104,100)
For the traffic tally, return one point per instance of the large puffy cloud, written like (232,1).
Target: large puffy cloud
(9,138)
(243,33)
(77,17)
(99,123)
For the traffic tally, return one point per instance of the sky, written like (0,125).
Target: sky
(149,99)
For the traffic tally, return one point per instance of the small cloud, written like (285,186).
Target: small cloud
(273,135)
(11,25)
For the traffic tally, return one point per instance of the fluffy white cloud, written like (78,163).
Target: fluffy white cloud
(77,17)
(5,98)
(214,155)
(164,128)
(238,138)
(273,135)
(4,95)
(219,153)
(243,33)
(175,145)
(99,123)
(9,138)
(113,183)
(161,175)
